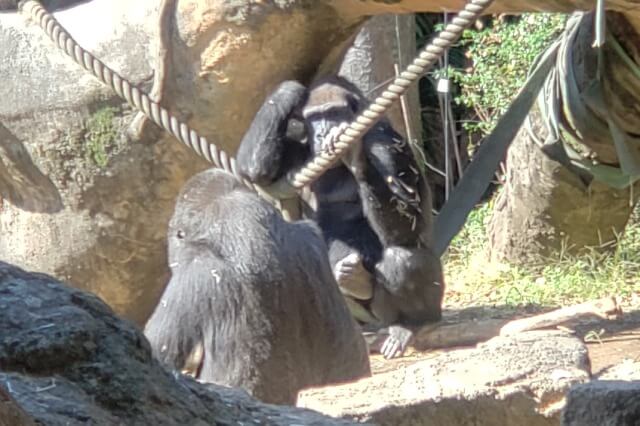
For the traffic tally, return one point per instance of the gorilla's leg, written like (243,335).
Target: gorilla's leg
(361,313)
(354,249)
(412,287)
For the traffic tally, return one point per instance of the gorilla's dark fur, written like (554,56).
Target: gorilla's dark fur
(252,296)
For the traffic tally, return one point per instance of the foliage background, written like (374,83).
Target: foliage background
(488,66)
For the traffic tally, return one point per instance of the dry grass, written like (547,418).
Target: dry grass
(563,279)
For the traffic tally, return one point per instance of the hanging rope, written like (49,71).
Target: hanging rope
(312,170)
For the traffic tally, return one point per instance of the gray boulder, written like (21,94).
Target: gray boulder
(603,403)
(66,359)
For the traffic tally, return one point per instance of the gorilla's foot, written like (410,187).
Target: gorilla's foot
(397,342)
(390,341)
(352,277)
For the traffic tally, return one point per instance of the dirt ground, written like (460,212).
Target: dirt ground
(609,342)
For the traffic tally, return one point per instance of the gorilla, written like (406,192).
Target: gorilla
(252,301)
(373,207)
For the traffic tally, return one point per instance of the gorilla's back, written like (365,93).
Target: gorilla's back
(269,312)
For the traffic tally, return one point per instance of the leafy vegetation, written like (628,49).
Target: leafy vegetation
(501,55)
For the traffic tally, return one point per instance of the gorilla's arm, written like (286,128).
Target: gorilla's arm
(272,145)
(394,193)
(391,156)
(397,204)
(411,291)
(175,328)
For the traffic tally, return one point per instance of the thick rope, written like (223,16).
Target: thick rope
(312,170)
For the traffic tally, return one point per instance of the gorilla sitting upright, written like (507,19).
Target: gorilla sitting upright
(252,302)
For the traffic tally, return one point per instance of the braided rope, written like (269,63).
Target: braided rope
(314,168)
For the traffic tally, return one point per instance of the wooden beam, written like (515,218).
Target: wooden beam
(376,7)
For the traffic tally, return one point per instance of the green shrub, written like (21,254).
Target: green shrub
(502,55)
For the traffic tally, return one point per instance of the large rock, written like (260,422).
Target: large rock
(226,57)
(613,399)
(65,137)
(66,359)
(517,380)
(603,403)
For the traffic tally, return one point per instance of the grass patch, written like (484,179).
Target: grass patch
(559,280)
(101,135)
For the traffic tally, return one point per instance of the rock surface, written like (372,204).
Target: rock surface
(66,359)
(627,370)
(66,141)
(222,50)
(518,380)
(603,403)
(10,412)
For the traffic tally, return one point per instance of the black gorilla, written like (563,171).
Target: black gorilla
(251,297)
(374,208)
